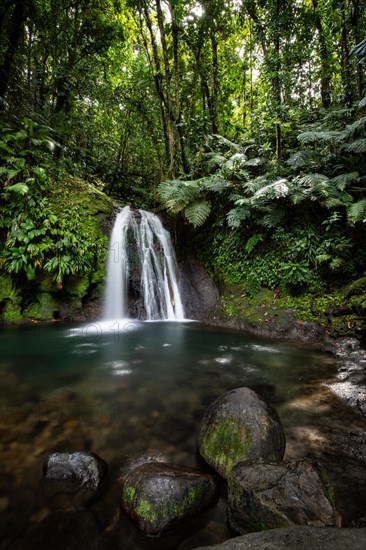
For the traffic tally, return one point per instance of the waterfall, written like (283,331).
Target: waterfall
(141,248)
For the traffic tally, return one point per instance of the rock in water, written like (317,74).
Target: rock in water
(76,474)
(159,496)
(267,495)
(239,425)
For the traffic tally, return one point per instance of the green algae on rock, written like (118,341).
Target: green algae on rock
(237,426)
(159,497)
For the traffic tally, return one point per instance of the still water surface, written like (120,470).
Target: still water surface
(131,388)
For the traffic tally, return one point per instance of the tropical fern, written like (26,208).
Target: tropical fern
(326,137)
(215,183)
(236,215)
(306,158)
(357,211)
(358,146)
(176,195)
(198,212)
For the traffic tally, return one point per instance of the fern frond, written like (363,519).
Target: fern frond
(273,218)
(275,190)
(256,184)
(357,211)
(306,158)
(253,241)
(227,143)
(213,161)
(215,183)
(321,136)
(236,215)
(257,161)
(358,146)
(340,182)
(314,184)
(198,212)
(356,128)
(176,194)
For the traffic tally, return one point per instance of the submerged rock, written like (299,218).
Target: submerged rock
(297,538)
(267,495)
(239,425)
(159,497)
(76,474)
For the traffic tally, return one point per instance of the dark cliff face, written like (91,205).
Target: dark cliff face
(199,292)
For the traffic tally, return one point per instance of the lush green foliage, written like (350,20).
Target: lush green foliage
(244,119)
(36,235)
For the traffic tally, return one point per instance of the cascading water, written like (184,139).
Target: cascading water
(140,243)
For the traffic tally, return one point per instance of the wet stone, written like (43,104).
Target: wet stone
(268,495)
(239,425)
(77,474)
(159,497)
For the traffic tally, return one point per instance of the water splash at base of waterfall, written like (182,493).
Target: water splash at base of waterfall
(140,244)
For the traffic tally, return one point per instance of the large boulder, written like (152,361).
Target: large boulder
(239,425)
(267,495)
(159,497)
(297,538)
(77,475)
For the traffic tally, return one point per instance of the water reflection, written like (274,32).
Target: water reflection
(128,388)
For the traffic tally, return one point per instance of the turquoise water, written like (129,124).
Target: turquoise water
(130,388)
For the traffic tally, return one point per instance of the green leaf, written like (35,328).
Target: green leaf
(20,188)
(198,212)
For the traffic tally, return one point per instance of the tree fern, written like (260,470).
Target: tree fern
(358,146)
(198,212)
(273,218)
(357,211)
(215,183)
(177,194)
(307,158)
(236,215)
(326,137)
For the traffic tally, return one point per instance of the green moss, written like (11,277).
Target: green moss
(129,493)
(43,308)
(10,300)
(225,443)
(166,509)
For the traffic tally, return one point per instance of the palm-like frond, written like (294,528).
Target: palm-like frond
(198,212)
(215,183)
(314,185)
(358,146)
(341,182)
(307,158)
(228,144)
(213,161)
(326,137)
(357,211)
(177,194)
(273,218)
(236,215)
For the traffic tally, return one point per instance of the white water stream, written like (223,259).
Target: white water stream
(142,234)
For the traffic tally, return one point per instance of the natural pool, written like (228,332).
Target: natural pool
(130,388)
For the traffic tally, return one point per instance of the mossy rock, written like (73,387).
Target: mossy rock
(43,308)
(239,425)
(159,497)
(10,300)
(269,495)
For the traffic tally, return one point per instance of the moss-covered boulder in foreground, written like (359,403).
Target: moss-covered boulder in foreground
(239,425)
(159,497)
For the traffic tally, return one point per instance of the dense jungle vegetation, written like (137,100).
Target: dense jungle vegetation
(244,120)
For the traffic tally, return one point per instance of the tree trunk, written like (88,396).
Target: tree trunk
(325,75)
(14,34)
